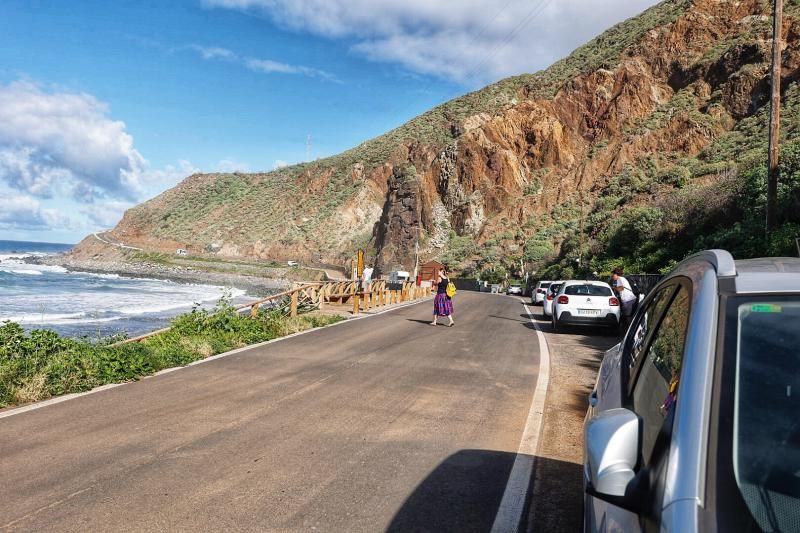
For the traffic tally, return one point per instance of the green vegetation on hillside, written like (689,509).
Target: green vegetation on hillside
(714,200)
(41,364)
(243,208)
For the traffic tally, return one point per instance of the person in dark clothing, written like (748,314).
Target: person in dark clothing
(442,303)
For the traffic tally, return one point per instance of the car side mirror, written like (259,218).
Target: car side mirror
(612,451)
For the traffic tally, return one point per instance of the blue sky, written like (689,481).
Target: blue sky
(105,104)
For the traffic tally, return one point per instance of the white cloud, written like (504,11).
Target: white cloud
(267,66)
(105,215)
(263,66)
(62,141)
(26,213)
(471,41)
(157,180)
(279,163)
(215,52)
(231,165)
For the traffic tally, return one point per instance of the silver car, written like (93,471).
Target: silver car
(694,423)
(514,289)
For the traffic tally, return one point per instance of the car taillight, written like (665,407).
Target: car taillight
(549,296)
(540,291)
(613,302)
(563,300)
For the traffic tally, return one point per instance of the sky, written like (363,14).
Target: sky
(104,104)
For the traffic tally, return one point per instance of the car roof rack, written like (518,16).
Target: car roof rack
(722,261)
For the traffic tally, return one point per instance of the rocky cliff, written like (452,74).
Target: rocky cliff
(661,101)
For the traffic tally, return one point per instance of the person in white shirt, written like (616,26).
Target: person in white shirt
(626,295)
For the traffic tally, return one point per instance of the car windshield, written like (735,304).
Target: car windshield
(766,411)
(588,290)
(544,285)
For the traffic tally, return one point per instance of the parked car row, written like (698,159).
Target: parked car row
(578,303)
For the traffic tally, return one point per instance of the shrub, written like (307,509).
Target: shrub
(40,364)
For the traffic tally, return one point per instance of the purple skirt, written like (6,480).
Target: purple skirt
(442,305)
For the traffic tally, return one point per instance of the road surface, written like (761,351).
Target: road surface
(379,424)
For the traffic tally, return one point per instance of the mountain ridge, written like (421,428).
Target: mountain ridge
(532,168)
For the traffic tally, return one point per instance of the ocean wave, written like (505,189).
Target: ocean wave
(146,309)
(33,319)
(16,267)
(22,271)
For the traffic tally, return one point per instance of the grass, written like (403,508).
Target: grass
(41,364)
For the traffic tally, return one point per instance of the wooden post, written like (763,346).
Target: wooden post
(293,309)
(774,119)
(253,311)
(355,304)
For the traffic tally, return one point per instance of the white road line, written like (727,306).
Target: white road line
(67,397)
(509,515)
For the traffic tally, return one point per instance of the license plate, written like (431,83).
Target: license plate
(589,312)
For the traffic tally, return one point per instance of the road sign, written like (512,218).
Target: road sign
(360,263)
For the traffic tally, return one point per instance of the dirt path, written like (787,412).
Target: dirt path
(575,355)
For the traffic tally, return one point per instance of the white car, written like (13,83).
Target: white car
(538,294)
(585,303)
(514,289)
(547,303)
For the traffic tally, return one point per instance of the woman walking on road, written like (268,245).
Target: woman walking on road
(442,304)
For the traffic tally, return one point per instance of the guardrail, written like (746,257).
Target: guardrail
(342,293)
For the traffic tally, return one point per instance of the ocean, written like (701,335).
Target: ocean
(78,304)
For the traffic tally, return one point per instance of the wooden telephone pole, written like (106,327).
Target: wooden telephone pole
(774,119)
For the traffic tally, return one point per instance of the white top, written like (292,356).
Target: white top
(627,294)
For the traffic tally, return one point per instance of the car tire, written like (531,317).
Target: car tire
(556,327)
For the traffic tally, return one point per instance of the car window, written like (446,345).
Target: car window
(646,323)
(766,413)
(587,290)
(555,287)
(656,388)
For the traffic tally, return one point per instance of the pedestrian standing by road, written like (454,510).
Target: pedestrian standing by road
(442,303)
(626,295)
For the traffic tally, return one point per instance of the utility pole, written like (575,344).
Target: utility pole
(774,119)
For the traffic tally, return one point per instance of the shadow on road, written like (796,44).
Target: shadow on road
(463,494)
(427,322)
(557,497)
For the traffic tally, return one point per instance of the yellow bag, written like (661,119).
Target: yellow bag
(451,289)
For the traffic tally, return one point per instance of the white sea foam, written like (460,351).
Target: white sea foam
(13,266)
(22,271)
(42,318)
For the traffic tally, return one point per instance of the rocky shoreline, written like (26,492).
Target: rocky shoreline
(253,285)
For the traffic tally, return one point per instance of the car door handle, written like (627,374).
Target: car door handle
(593,398)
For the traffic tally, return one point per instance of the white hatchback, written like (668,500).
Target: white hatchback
(538,294)
(547,303)
(585,303)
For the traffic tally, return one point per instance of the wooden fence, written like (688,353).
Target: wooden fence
(345,294)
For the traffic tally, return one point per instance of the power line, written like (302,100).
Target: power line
(507,39)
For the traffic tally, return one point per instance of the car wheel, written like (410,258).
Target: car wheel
(556,327)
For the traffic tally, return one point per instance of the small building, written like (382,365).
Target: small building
(180,251)
(429,270)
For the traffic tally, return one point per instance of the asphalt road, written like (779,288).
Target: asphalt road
(384,423)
